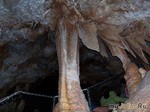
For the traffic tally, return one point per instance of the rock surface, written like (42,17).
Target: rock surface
(25,53)
(23,63)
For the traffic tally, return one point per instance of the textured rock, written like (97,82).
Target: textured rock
(24,62)
(121,25)
(140,100)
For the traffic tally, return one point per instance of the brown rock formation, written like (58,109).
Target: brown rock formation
(121,25)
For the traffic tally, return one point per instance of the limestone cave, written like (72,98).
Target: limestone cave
(74,56)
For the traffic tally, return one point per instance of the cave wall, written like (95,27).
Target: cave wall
(24,62)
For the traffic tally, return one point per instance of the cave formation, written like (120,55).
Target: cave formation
(31,31)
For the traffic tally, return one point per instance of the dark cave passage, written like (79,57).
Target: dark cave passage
(46,86)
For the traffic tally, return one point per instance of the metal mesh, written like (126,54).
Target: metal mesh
(30,102)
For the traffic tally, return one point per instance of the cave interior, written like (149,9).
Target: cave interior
(95,70)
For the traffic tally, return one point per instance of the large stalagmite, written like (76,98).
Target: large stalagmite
(121,25)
